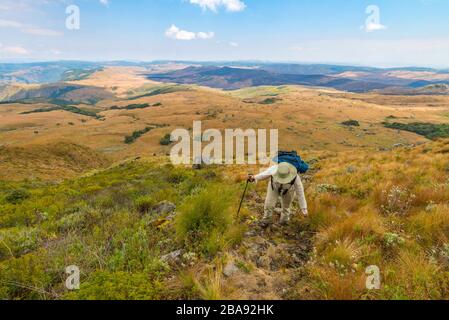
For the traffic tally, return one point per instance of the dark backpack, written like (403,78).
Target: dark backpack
(294,159)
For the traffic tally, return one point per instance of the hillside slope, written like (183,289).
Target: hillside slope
(49,162)
(144,229)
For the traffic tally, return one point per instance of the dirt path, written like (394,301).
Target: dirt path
(267,261)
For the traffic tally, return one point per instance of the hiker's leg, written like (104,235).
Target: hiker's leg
(287,201)
(270,203)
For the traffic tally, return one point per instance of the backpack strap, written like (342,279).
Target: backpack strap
(280,191)
(291,186)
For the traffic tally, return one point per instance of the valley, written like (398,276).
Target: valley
(85,180)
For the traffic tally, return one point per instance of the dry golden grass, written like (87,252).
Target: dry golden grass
(54,161)
(390,210)
(364,224)
(431,227)
(308,119)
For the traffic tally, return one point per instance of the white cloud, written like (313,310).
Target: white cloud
(104,2)
(42,32)
(9,24)
(29,29)
(213,5)
(13,50)
(371,27)
(205,35)
(175,33)
(233,44)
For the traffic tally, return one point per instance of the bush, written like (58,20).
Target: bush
(166,140)
(27,277)
(205,218)
(144,204)
(117,286)
(351,123)
(18,241)
(17,196)
(397,201)
(429,130)
(136,135)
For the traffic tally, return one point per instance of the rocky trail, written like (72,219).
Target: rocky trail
(268,260)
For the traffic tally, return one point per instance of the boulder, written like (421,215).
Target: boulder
(173,257)
(164,207)
(230,270)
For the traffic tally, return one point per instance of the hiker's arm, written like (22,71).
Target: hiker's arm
(266,174)
(300,193)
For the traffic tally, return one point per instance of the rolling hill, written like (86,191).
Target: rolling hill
(237,74)
(85,180)
(350,79)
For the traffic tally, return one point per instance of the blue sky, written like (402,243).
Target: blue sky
(403,33)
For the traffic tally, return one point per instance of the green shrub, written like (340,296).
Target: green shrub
(205,219)
(166,140)
(104,285)
(18,241)
(72,221)
(429,130)
(144,204)
(351,123)
(27,277)
(17,196)
(136,135)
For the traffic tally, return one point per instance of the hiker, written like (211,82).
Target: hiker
(284,183)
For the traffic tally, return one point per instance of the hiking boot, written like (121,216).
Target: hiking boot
(285,220)
(266,222)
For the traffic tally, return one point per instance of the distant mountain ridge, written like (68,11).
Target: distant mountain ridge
(353,79)
(240,74)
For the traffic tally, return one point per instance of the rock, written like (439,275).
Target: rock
(351,169)
(173,257)
(164,207)
(230,270)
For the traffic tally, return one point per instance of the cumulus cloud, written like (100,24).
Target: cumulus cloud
(178,34)
(104,2)
(175,33)
(205,35)
(213,5)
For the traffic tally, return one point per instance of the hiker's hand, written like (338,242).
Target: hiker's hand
(305,212)
(251,178)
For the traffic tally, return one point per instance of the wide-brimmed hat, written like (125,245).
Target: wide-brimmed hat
(285,173)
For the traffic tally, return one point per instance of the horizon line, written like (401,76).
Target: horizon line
(342,64)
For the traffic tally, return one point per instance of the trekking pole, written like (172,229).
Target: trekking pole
(243,197)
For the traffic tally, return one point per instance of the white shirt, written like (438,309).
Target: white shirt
(298,186)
